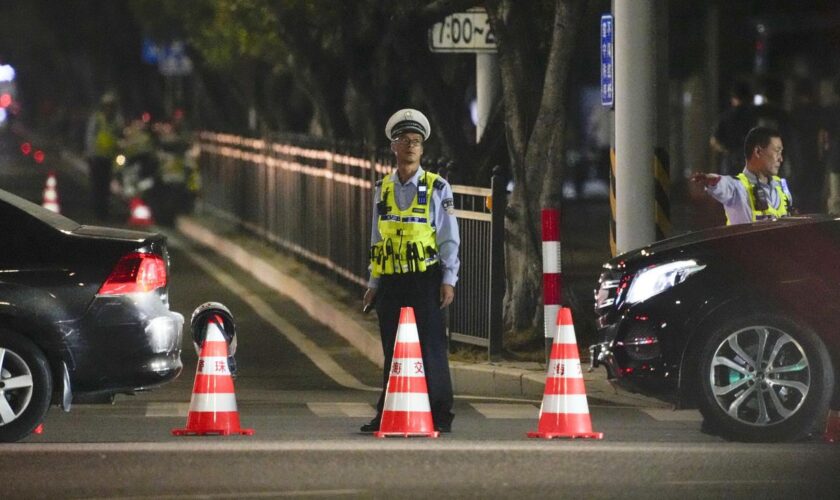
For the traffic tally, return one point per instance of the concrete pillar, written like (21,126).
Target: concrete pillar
(635,122)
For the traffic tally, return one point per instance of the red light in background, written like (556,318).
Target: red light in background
(26,148)
(38,156)
(146,117)
(5,100)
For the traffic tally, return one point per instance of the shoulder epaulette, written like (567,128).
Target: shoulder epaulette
(439,184)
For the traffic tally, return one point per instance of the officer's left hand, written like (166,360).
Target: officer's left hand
(447,295)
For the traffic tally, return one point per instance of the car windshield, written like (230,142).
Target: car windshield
(48,217)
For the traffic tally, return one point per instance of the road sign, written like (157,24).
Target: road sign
(607,66)
(174,61)
(463,32)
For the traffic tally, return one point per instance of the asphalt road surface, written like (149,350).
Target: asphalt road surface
(305,392)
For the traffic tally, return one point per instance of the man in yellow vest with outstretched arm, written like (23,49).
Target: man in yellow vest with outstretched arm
(757,193)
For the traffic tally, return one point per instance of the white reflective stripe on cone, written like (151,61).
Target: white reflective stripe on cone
(214,333)
(551,257)
(213,365)
(213,402)
(408,367)
(567,334)
(407,401)
(573,403)
(550,311)
(564,368)
(407,334)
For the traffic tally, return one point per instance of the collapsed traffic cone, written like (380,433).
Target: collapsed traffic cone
(51,194)
(213,403)
(564,411)
(406,410)
(832,427)
(141,214)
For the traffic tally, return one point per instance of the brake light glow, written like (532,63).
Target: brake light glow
(135,272)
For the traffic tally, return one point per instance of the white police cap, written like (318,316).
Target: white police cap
(408,120)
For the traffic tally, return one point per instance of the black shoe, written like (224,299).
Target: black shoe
(371,426)
(444,428)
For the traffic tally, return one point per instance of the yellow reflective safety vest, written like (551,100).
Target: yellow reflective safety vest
(770,213)
(408,242)
(105,140)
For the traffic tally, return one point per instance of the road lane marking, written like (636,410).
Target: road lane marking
(310,349)
(360,410)
(363,443)
(665,415)
(495,410)
(240,494)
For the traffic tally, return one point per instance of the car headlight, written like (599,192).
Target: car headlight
(656,279)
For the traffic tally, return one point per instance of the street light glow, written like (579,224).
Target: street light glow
(7,73)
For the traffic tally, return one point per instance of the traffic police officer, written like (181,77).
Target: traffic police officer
(414,260)
(104,130)
(758,192)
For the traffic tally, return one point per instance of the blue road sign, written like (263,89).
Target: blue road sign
(607,68)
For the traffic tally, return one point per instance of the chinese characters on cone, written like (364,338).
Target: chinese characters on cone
(564,411)
(213,404)
(406,410)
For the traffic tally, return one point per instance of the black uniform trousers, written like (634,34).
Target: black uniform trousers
(420,291)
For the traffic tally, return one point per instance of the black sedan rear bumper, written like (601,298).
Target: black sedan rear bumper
(130,343)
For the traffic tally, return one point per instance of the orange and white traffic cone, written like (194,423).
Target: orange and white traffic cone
(832,427)
(51,194)
(141,214)
(213,404)
(406,410)
(564,411)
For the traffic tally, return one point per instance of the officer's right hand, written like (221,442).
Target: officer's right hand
(704,178)
(367,301)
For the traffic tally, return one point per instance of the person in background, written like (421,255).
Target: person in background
(733,124)
(757,193)
(104,130)
(414,261)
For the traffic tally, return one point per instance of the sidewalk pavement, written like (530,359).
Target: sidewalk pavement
(340,311)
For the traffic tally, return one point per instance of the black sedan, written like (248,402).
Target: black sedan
(740,321)
(84,314)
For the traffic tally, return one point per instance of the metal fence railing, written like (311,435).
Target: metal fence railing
(314,199)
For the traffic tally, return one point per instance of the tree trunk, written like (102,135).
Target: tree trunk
(536,125)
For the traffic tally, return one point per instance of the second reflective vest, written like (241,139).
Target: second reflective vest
(769,213)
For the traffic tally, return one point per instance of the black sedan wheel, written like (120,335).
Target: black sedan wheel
(25,386)
(764,378)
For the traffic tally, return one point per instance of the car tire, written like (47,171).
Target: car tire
(781,395)
(25,386)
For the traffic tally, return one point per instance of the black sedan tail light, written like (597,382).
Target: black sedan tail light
(136,272)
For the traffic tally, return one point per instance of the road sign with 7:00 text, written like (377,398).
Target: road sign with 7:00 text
(463,32)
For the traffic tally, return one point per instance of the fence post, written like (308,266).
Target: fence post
(498,186)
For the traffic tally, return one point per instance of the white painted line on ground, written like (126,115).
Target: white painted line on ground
(805,450)
(665,415)
(167,409)
(258,494)
(310,349)
(361,410)
(494,410)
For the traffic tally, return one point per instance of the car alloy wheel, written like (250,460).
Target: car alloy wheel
(764,378)
(25,386)
(760,375)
